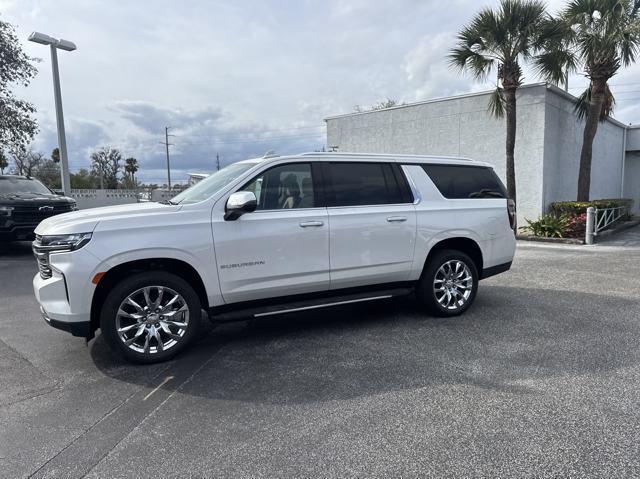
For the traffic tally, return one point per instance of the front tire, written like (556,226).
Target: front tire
(448,284)
(150,317)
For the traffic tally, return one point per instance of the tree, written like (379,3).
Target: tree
(27,161)
(17,126)
(48,171)
(600,36)
(105,164)
(381,105)
(4,163)
(499,41)
(131,167)
(84,180)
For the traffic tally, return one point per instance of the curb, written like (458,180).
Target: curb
(542,239)
(580,241)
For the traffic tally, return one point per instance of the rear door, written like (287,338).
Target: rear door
(372,223)
(280,249)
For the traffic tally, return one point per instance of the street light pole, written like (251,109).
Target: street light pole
(68,46)
(62,140)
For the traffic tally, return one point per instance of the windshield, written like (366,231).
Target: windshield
(212,184)
(11,186)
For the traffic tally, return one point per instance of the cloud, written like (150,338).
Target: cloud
(239,78)
(428,71)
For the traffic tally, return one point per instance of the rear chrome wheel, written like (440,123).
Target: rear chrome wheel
(152,319)
(151,316)
(453,284)
(448,284)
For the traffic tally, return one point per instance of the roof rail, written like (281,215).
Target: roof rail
(379,155)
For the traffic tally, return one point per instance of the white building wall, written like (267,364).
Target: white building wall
(632,168)
(90,198)
(633,138)
(632,179)
(563,143)
(458,126)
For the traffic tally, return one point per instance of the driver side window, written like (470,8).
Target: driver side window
(283,187)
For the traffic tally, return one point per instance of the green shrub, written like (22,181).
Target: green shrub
(575,208)
(548,226)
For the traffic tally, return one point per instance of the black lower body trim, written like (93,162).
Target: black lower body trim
(81,329)
(281,305)
(497,269)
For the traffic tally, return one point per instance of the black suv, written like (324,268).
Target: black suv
(25,202)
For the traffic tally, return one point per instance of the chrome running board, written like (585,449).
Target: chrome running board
(325,305)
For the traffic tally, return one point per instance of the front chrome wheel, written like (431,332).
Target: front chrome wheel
(453,284)
(152,319)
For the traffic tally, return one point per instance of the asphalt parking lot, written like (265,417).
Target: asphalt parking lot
(541,378)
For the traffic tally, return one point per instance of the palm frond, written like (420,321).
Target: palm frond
(584,102)
(582,106)
(463,57)
(497,104)
(555,65)
(607,34)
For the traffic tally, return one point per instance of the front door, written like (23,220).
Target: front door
(283,247)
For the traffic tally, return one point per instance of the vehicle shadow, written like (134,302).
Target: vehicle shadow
(508,340)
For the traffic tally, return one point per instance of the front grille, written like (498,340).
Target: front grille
(33,214)
(42,257)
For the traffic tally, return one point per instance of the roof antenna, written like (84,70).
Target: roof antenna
(270,154)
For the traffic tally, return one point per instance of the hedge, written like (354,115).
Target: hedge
(574,208)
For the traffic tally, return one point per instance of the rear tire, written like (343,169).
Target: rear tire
(448,284)
(150,317)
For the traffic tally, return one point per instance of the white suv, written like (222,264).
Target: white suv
(275,235)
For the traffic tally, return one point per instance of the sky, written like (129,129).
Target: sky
(240,78)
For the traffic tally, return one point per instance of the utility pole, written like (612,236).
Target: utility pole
(218,162)
(167,145)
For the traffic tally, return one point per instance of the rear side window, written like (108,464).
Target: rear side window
(461,181)
(357,184)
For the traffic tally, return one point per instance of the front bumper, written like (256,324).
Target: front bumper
(65,297)
(52,295)
(81,329)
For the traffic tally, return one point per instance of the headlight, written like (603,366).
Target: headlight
(6,210)
(64,242)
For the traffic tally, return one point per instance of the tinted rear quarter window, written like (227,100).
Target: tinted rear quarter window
(463,182)
(358,184)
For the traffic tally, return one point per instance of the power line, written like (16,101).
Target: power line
(263,131)
(254,140)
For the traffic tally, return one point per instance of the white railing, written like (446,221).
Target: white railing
(599,219)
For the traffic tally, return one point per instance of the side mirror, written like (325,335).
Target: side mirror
(239,203)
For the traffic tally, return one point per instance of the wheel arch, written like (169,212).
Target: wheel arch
(112,276)
(466,245)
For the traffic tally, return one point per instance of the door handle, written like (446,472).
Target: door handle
(307,224)
(396,219)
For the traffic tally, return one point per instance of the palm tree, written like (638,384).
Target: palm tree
(131,167)
(601,36)
(498,41)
